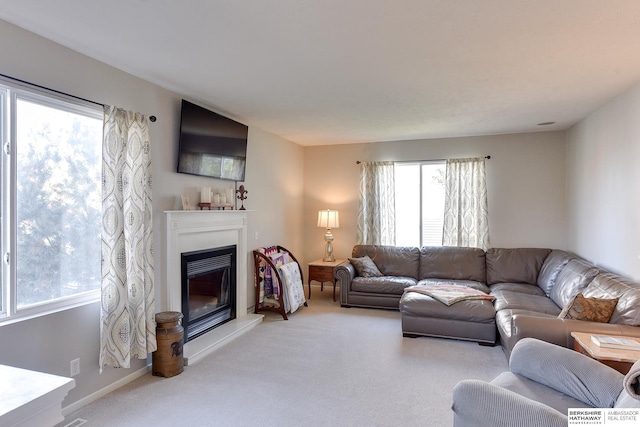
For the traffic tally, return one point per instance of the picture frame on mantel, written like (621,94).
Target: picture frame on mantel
(185,203)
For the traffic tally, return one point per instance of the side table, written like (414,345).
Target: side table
(619,359)
(322,271)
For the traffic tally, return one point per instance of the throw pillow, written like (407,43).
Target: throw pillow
(365,267)
(591,309)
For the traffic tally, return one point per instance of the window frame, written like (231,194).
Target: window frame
(420,164)
(10,92)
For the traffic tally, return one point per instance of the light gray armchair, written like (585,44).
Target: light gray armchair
(544,381)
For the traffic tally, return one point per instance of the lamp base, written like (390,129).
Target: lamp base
(328,250)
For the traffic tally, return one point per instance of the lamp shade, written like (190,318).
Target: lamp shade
(328,219)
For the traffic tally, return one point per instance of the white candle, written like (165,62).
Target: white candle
(223,198)
(205,195)
(229,195)
(216,198)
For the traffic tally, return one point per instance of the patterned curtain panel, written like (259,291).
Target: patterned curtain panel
(466,213)
(127,328)
(377,212)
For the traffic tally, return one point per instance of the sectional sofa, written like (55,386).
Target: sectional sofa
(529,287)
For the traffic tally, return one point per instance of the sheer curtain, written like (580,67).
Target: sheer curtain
(127,324)
(376,214)
(466,221)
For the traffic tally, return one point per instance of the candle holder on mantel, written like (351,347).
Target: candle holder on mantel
(241,196)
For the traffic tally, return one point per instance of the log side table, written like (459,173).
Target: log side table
(323,271)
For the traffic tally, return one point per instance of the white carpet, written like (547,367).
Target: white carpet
(325,366)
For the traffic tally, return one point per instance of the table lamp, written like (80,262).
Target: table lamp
(328,219)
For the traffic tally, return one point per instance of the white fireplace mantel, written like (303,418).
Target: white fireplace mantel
(189,231)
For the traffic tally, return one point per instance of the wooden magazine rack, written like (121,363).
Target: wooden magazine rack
(270,302)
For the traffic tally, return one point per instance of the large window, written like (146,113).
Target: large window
(419,203)
(51,201)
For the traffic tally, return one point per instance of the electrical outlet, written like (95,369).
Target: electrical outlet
(256,235)
(75,367)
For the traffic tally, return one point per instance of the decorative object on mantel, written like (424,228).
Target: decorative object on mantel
(218,206)
(241,196)
(205,195)
(185,203)
(328,219)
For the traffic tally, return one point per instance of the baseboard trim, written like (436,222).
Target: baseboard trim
(106,390)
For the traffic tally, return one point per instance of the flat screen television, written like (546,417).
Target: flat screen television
(211,145)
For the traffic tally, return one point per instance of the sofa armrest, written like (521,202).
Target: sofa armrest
(479,404)
(345,273)
(558,331)
(567,371)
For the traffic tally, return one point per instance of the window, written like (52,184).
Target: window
(419,203)
(51,201)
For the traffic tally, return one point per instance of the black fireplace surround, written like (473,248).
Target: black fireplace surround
(208,289)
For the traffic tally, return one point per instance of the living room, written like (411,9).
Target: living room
(569,188)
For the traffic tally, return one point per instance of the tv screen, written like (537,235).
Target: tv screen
(211,145)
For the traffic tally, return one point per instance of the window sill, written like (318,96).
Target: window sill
(51,307)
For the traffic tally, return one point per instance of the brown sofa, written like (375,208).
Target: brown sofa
(531,286)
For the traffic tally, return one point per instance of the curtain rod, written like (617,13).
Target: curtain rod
(430,160)
(151,118)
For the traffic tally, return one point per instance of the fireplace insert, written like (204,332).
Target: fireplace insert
(208,289)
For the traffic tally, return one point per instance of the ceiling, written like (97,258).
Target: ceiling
(343,71)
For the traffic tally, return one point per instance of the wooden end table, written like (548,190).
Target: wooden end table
(323,271)
(619,359)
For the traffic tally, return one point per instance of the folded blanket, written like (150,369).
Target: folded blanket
(293,291)
(632,381)
(450,293)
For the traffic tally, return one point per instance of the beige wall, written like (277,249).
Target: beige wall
(525,179)
(288,184)
(603,154)
(274,180)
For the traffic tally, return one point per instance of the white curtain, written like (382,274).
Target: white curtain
(376,215)
(466,221)
(127,327)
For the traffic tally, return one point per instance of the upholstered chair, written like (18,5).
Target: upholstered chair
(544,381)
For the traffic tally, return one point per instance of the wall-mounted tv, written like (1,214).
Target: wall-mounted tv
(211,145)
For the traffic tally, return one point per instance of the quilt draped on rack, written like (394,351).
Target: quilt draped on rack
(293,291)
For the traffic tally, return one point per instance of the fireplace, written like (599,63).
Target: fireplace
(208,289)
(203,231)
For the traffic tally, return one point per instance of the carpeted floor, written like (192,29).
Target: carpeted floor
(325,366)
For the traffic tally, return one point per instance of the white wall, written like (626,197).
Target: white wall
(525,179)
(603,154)
(274,180)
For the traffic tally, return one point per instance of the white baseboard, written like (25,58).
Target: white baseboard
(106,390)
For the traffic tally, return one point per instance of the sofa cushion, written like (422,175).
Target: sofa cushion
(551,267)
(365,267)
(590,309)
(508,300)
(524,288)
(517,265)
(609,285)
(457,263)
(391,260)
(504,318)
(394,285)
(571,280)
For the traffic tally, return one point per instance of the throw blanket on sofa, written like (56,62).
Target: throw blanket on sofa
(449,293)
